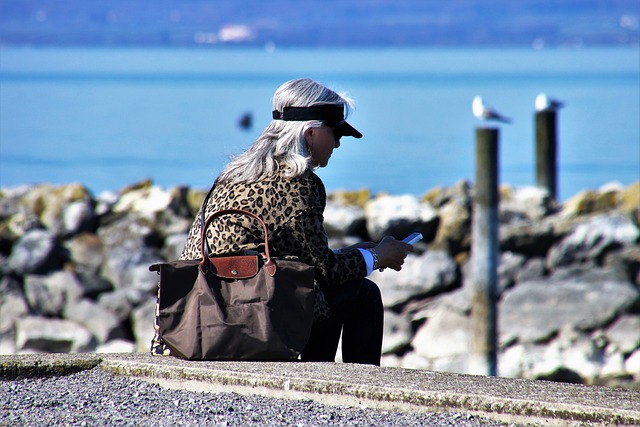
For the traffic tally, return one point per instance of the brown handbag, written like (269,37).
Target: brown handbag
(242,307)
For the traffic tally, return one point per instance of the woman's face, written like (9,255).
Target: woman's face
(321,141)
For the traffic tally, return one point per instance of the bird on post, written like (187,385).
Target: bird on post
(544,103)
(484,112)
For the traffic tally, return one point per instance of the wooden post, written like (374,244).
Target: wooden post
(546,151)
(484,256)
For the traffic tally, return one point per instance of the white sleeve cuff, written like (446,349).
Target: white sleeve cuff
(368,258)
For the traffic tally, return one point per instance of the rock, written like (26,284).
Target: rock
(129,249)
(572,351)
(105,202)
(397,333)
(520,360)
(428,274)
(43,334)
(413,360)
(13,305)
(51,204)
(568,311)
(78,216)
(534,269)
(400,216)
(573,356)
(86,250)
(358,198)
(48,295)
(32,253)
(626,261)
(624,333)
(117,346)
(195,198)
(143,319)
(340,220)
(445,335)
(508,267)
(173,246)
(588,202)
(532,239)
(454,229)
(92,284)
(579,298)
(119,302)
(144,200)
(103,324)
(533,203)
(591,240)
(630,200)
(632,364)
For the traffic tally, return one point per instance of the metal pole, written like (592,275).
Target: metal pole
(546,151)
(484,256)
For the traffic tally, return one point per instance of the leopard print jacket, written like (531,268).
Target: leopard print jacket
(293,211)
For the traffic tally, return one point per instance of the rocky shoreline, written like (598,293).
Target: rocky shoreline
(74,274)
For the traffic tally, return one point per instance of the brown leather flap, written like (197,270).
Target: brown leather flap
(235,267)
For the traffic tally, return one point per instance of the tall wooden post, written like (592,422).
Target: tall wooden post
(546,151)
(484,256)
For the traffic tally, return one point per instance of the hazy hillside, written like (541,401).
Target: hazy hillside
(321,23)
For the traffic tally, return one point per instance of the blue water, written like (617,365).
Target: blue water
(110,117)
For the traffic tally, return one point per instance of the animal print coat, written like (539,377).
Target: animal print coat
(293,211)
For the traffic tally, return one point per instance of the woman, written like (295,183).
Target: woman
(274,179)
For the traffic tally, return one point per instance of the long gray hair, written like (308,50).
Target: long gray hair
(283,141)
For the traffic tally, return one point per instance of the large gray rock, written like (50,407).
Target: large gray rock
(533,203)
(49,295)
(591,240)
(508,267)
(103,324)
(444,335)
(130,247)
(78,216)
(32,252)
(42,334)
(430,273)
(624,333)
(579,298)
(173,246)
(13,305)
(572,356)
(530,238)
(86,250)
(397,333)
(120,302)
(400,216)
(143,319)
(341,220)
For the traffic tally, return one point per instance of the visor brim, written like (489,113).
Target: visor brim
(345,129)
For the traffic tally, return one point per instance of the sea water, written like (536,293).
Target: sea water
(108,117)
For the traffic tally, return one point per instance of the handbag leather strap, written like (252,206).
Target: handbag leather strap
(269,264)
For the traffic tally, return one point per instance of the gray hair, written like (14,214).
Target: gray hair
(282,143)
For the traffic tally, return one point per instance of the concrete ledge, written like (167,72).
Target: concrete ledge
(504,399)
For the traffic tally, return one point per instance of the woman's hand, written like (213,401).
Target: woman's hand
(392,252)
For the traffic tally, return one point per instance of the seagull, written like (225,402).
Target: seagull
(544,103)
(483,112)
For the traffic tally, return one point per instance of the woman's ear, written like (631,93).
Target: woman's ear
(308,134)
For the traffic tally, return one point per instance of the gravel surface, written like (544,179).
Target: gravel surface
(97,398)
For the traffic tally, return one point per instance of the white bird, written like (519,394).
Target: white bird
(484,112)
(544,103)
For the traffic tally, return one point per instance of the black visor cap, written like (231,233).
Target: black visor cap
(331,114)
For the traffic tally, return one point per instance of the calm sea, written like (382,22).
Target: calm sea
(110,117)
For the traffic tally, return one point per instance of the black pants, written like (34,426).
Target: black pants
(358,313)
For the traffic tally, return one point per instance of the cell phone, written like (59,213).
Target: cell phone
(413,238)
